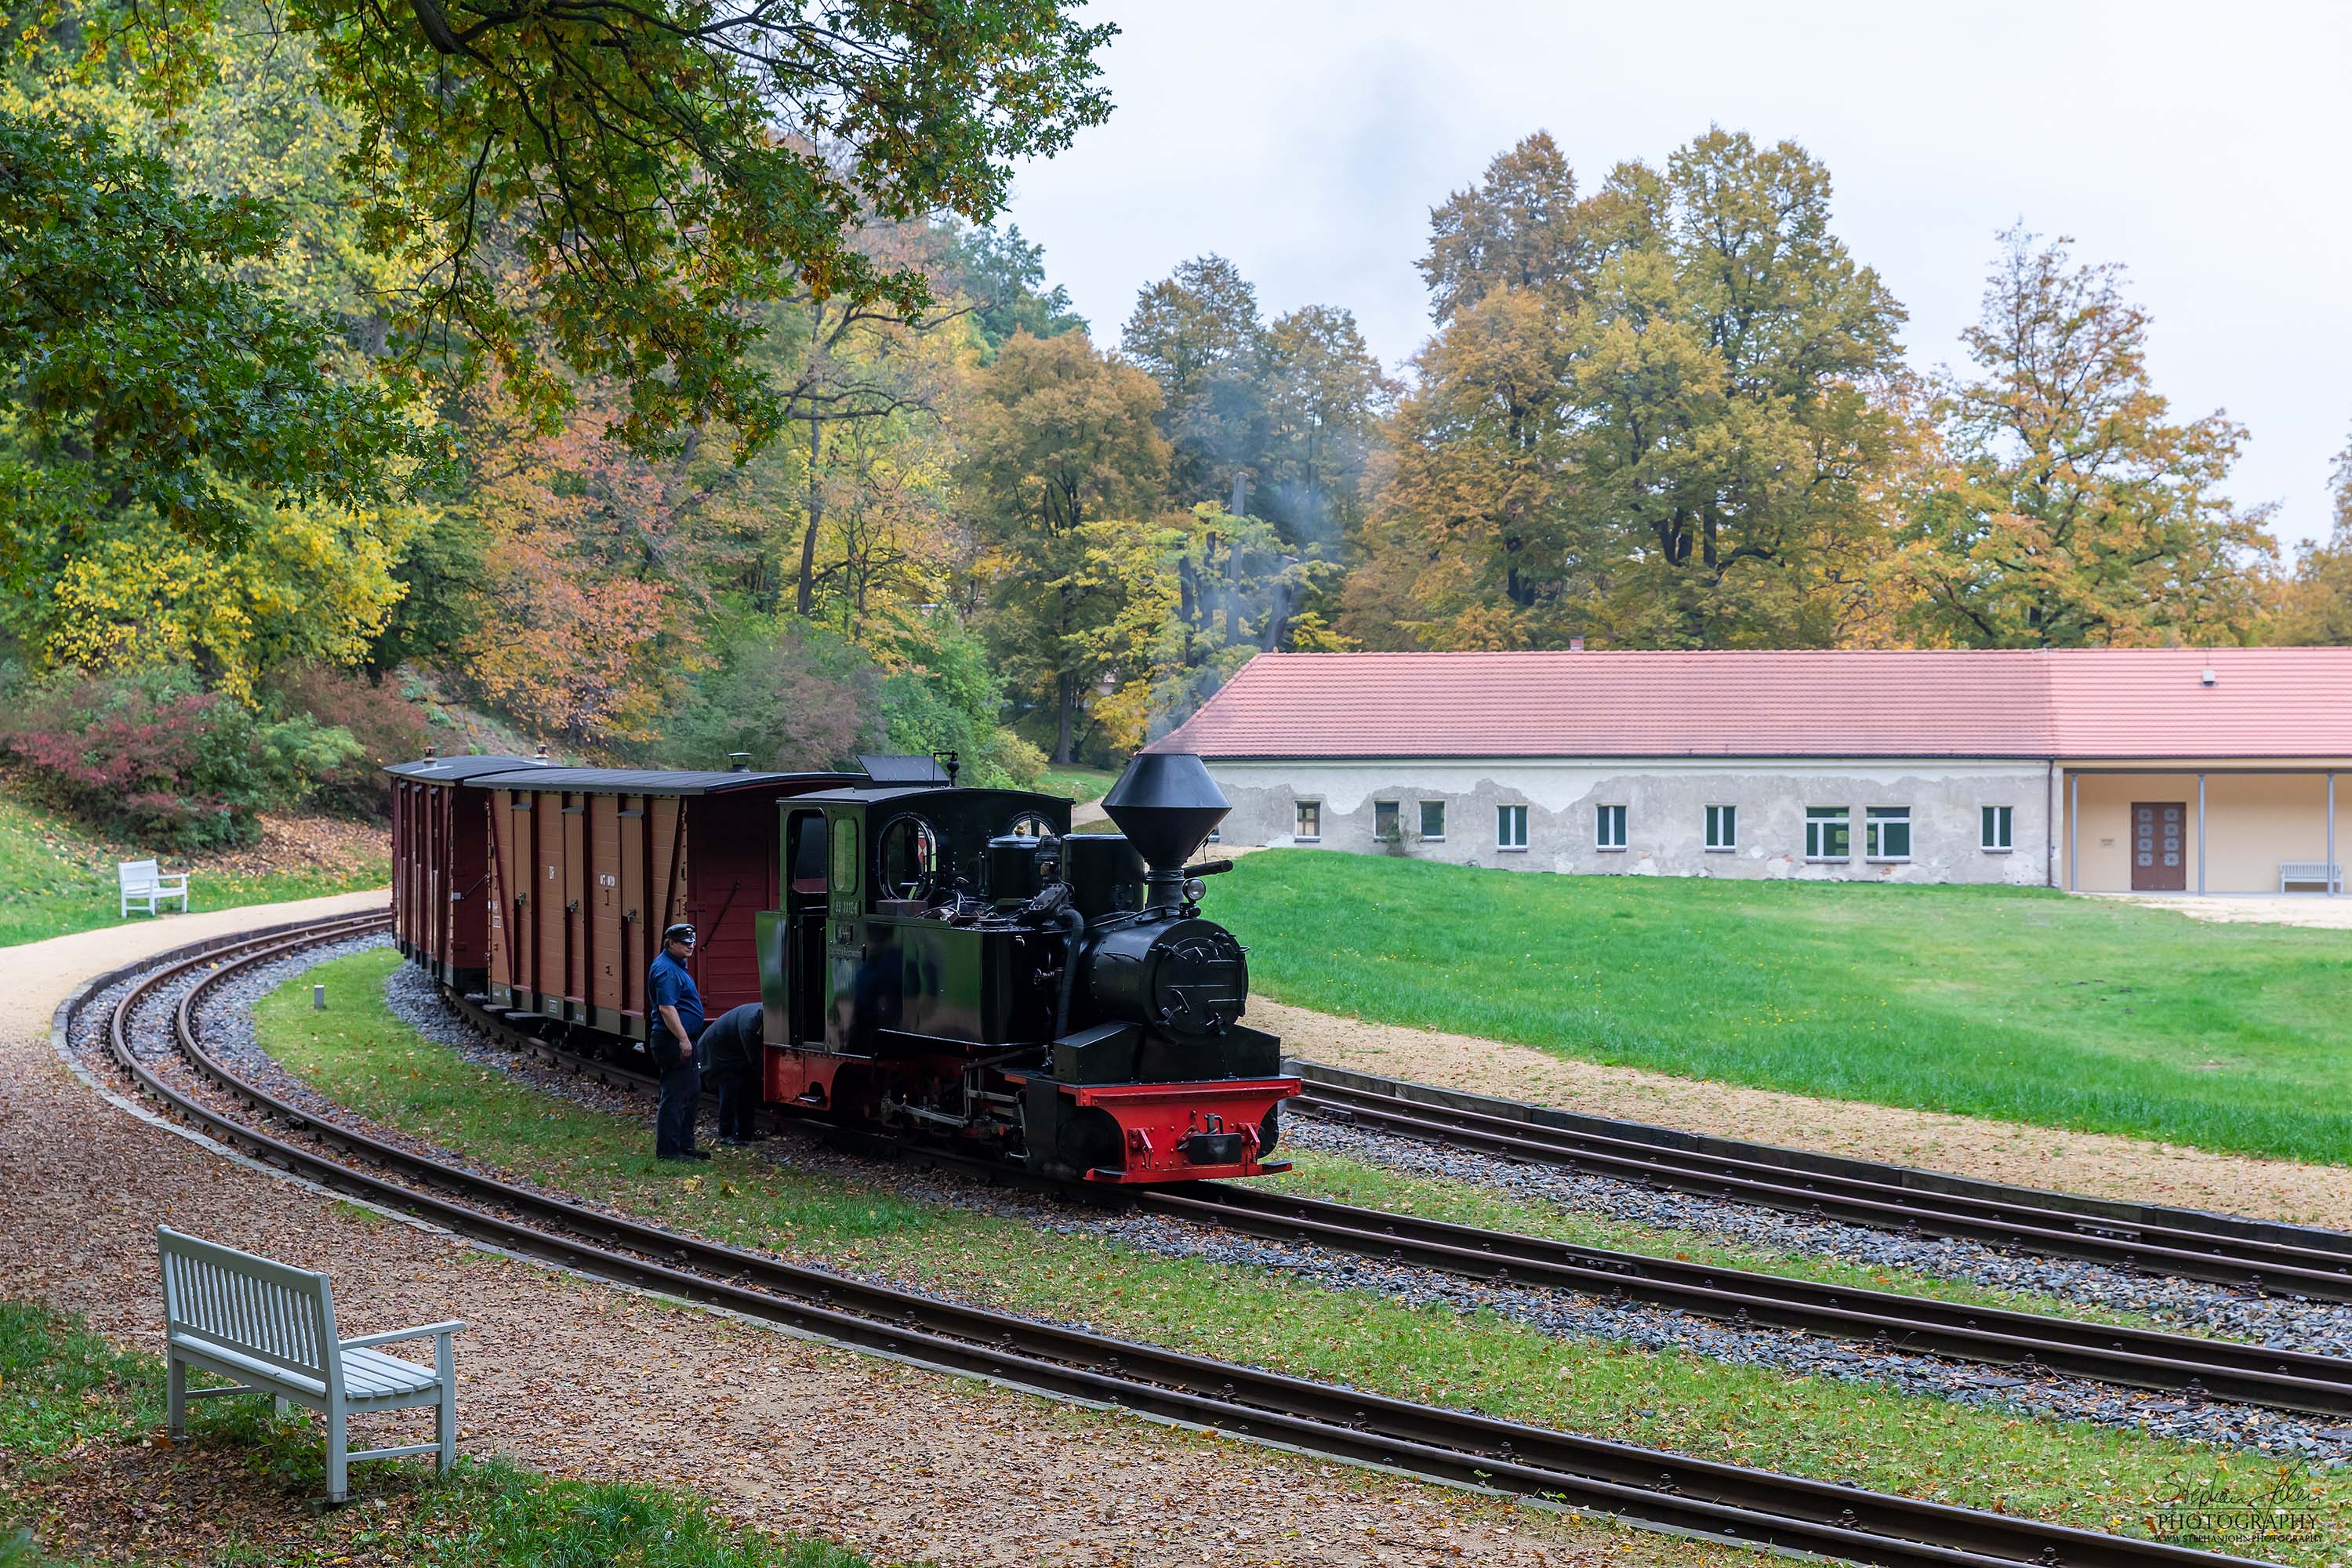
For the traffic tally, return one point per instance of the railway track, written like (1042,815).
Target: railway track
(1644,1486)
(2260,1256)
(2029,1342)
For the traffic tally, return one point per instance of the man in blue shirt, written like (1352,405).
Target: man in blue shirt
(677,1006)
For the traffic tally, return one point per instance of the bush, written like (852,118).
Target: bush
(947,700)
(154,760)
(386,725)
(796,697)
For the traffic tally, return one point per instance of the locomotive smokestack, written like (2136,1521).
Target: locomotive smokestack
(1166,804)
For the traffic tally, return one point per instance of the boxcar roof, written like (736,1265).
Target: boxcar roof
(453,768)
(644,781)
(875,794)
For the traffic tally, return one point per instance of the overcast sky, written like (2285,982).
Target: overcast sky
(2203,145)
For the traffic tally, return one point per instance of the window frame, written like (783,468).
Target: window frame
(1601,824)
(1298,813)
(1873,818)
(1823,816)
(1503,814)
(1730,843)
(2005,817)
(1426,835)
(1395,808)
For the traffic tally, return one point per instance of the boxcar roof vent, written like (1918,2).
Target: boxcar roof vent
(739,762)
(540,756)
(884,769)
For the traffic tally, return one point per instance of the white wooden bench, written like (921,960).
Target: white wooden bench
(144,882)
(2329,877)
(271,1328)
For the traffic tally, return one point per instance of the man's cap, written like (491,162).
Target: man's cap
(678,932)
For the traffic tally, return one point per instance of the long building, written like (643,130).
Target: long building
(2183,770)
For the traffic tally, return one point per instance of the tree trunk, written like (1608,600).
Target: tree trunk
(1240,507)
(806,602)
(1066,698)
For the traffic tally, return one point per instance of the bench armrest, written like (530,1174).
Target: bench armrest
(395,1335)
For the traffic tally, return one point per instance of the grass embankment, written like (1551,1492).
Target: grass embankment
(80,1450)
(357,1054)
(2018,1004)
(55,879)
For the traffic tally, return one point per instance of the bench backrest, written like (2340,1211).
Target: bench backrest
(137,875)
(265,1309)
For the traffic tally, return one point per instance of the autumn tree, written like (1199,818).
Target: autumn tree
(1000,276)
(2072,509)
(1061,444)
(1326,395)
(1654,417)
(1197,333)
(1520,227)
(2314,603)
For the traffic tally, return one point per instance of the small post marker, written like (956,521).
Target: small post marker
(318,998)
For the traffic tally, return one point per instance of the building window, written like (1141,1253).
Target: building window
(1309,826)
(1998,821)
(1609,827)
(1432,822)
(1384,822)
(1723,828)
(1510,827)
(1886,833)
(1826,832)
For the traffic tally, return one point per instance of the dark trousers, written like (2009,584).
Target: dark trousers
(681,1097)
(736,1103)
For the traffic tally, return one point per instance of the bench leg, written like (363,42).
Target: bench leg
(444,1419)
(338,1463)
(175,1397)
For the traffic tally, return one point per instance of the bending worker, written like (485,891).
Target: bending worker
(729,1054)
(676,1024)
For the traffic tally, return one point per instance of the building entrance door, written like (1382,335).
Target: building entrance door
(2159,846)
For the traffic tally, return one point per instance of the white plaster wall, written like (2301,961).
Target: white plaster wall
(1665,803)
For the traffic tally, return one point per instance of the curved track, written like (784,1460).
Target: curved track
(1641,1485)
(2257,1255)
(2032,1341)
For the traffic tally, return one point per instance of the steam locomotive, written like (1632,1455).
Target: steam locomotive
(945,964)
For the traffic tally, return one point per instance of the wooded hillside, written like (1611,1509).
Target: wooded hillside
(660,393)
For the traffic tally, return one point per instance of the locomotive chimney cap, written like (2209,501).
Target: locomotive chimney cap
(1166,804)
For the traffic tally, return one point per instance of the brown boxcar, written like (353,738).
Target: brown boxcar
(588,865)
(441,865)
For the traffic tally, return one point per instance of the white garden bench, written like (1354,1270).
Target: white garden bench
(271,1328)
(2330,877)
(144,882)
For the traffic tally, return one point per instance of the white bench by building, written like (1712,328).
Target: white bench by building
(2329,877)
(271,1328)
(144,882)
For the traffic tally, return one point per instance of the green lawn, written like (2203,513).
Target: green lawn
(55,879)
(1081,784)
(2020,1004)
(359,1056)
(69,1400)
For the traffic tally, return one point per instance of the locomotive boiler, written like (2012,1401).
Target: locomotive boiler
(947,964)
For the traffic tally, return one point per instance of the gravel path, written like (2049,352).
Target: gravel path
(2324,1328)
(576,1377)
(2109,1166)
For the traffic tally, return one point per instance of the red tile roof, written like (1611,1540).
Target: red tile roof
(2068,703)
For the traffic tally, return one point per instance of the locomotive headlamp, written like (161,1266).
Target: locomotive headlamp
(1193,889)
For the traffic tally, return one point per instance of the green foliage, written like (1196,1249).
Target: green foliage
(948,698)
(795,697)
(141,370)
(617,182)
(2315,606)
(2018,1004)
(1003,276)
